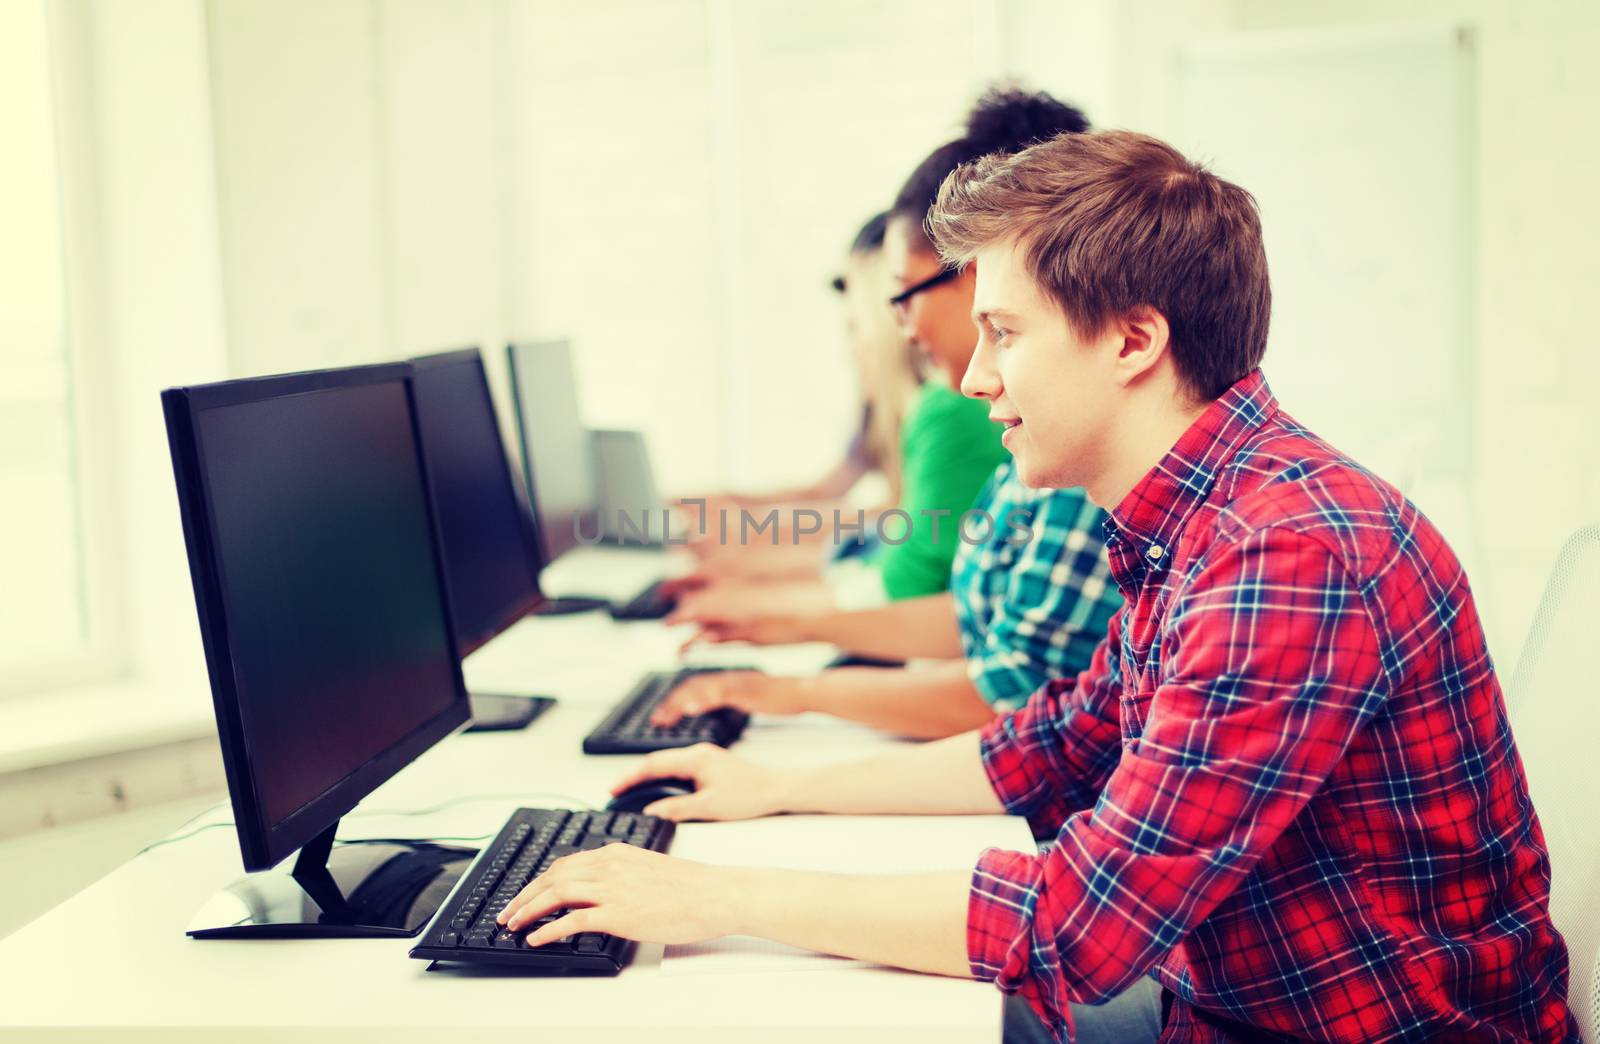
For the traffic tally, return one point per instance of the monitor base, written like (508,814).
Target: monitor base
(381,889)
(568,606)
(499,712)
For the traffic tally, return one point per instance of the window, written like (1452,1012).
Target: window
(48,626)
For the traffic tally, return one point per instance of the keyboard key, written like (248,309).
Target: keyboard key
(589,942)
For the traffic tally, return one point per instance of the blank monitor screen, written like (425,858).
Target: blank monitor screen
(482,523)
(630,509)
(335,619)
(555,444)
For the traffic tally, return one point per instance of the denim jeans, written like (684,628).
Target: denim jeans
(1131,1017)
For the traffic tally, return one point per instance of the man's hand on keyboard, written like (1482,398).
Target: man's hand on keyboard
(726,785)
(749,691)
(628,891)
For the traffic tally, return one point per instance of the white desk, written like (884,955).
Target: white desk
(115,957)
(613,572)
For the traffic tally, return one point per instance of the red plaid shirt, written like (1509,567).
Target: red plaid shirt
(1285,786)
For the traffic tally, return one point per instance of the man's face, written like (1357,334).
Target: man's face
(1054,390)
(937,321)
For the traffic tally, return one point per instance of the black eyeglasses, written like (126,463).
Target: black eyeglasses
(902,300)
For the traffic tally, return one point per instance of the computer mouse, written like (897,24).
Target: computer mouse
(640,795)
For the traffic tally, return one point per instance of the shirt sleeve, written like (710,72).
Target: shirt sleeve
(1272,666)
(1050,759)
(1057,602)
(951,448)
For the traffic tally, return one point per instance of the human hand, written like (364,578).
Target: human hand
(749,691)
(726,785)
(715,600)
(628,891)
(676,587)
(760,630)
(733,601)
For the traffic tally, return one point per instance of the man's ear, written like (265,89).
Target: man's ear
(1143,339)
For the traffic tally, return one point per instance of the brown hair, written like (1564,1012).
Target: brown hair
(1114,220)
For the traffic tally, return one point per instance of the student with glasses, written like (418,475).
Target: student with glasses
(949,450)
(1030,594)
(888,374)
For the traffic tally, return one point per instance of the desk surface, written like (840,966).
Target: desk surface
(116,955)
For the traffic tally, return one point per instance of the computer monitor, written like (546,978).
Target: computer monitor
(629,500)
(491,548)
(314,555)
(556,461)
(491,552)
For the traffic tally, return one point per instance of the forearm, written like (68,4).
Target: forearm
(923,703)
(944,777)
(829,487)
(916,921)
(765,562)
(908,629)
(836,483)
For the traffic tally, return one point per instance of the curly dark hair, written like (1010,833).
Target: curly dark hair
(1005,120)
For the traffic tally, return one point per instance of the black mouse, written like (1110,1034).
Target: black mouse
(636,797)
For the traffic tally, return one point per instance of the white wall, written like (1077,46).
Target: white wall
(302,182)
(668,183)
(158,258)
(1537,427)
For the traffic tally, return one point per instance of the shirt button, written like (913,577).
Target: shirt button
(1154,552)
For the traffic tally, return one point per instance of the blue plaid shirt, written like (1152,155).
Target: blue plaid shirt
(1034,597)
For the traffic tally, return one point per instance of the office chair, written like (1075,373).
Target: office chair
(1555,714)
(1594,1000)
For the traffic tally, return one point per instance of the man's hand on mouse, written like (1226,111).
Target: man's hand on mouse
(749,691)
(726,786)
(628,891)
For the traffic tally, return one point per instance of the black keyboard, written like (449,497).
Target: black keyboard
(649,604)
(464,930)
(627,729)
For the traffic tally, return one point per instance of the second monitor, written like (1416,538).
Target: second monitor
(559,459)
(487,540)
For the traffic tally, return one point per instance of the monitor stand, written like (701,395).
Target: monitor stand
(568,606)
(382,889)
(500,712)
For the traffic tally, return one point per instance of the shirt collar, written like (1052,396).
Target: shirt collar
(1143,529)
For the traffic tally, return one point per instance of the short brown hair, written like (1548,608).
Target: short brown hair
(1114,220)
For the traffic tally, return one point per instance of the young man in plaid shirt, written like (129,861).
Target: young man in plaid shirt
(1285,789)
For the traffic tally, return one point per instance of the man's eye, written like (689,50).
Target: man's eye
(999,333)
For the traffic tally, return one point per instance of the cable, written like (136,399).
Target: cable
(183,837)
(524,795)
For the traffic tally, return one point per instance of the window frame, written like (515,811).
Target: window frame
(103,654)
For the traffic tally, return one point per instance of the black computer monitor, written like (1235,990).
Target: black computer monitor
(557,462)
(491,552)
(314,554)
(491,547)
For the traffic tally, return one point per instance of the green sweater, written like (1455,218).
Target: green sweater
(949,448)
